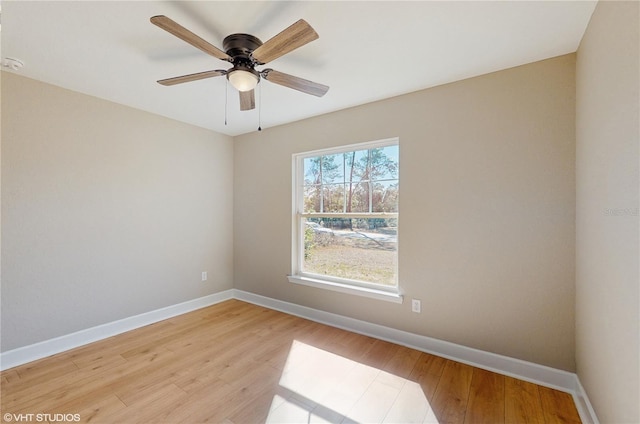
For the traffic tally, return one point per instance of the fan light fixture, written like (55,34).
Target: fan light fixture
(243,80)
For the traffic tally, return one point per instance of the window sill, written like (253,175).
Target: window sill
(393,295)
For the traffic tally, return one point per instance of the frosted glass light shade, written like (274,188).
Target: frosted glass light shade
(243,80)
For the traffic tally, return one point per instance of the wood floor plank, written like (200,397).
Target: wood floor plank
(99,360)
(248,389)
(225,364)
(275,353)
(522,402)
(52,367)
(410,406)
(25,396)
(558,407)
(379,354)
(180,410)
(321,336)
(427,372)
(452,394)
(402,362)
(354,343)
(486,398)
(99,411)
(146,391)
(10,376)
(256,413)
(98,402)
(81,382)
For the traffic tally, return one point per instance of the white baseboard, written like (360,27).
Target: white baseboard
(585,409)
(22,355)
(523,370)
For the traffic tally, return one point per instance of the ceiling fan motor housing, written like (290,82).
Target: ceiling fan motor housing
(240,46)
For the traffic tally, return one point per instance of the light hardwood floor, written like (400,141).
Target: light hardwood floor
(239,363)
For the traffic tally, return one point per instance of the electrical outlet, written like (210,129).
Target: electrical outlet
(204,275)
(416,306)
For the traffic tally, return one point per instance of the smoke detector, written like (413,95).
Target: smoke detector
(11,63)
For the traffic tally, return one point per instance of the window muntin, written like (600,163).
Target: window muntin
(346,214)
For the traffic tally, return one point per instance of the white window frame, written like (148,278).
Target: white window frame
(297,276)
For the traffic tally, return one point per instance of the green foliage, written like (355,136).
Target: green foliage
(323,169)
(308,242)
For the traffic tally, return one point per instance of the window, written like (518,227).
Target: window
(345,219)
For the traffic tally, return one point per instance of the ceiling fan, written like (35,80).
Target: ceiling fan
(246,52)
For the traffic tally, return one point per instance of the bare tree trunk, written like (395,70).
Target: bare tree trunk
(353,160)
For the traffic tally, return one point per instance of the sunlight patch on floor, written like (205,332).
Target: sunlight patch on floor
(321,387)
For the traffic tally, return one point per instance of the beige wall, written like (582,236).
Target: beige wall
(607,175)
(487,207)
(107,211)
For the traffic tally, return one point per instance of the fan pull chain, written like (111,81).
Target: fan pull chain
(226,95)
(260,109)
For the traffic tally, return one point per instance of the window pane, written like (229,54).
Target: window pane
(333,200)
(385,196)
(384,163)
(311,198)
(356,166)
(332,169)
(355,249)
(358,182)
(312,170)
(357,197)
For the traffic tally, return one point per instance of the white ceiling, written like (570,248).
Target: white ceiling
(367,50)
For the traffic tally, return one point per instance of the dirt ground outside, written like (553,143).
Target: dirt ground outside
(356,263)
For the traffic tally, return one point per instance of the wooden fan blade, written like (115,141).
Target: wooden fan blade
(188,36)
(191,77)
(297,35)
(247,100)
(296,83)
